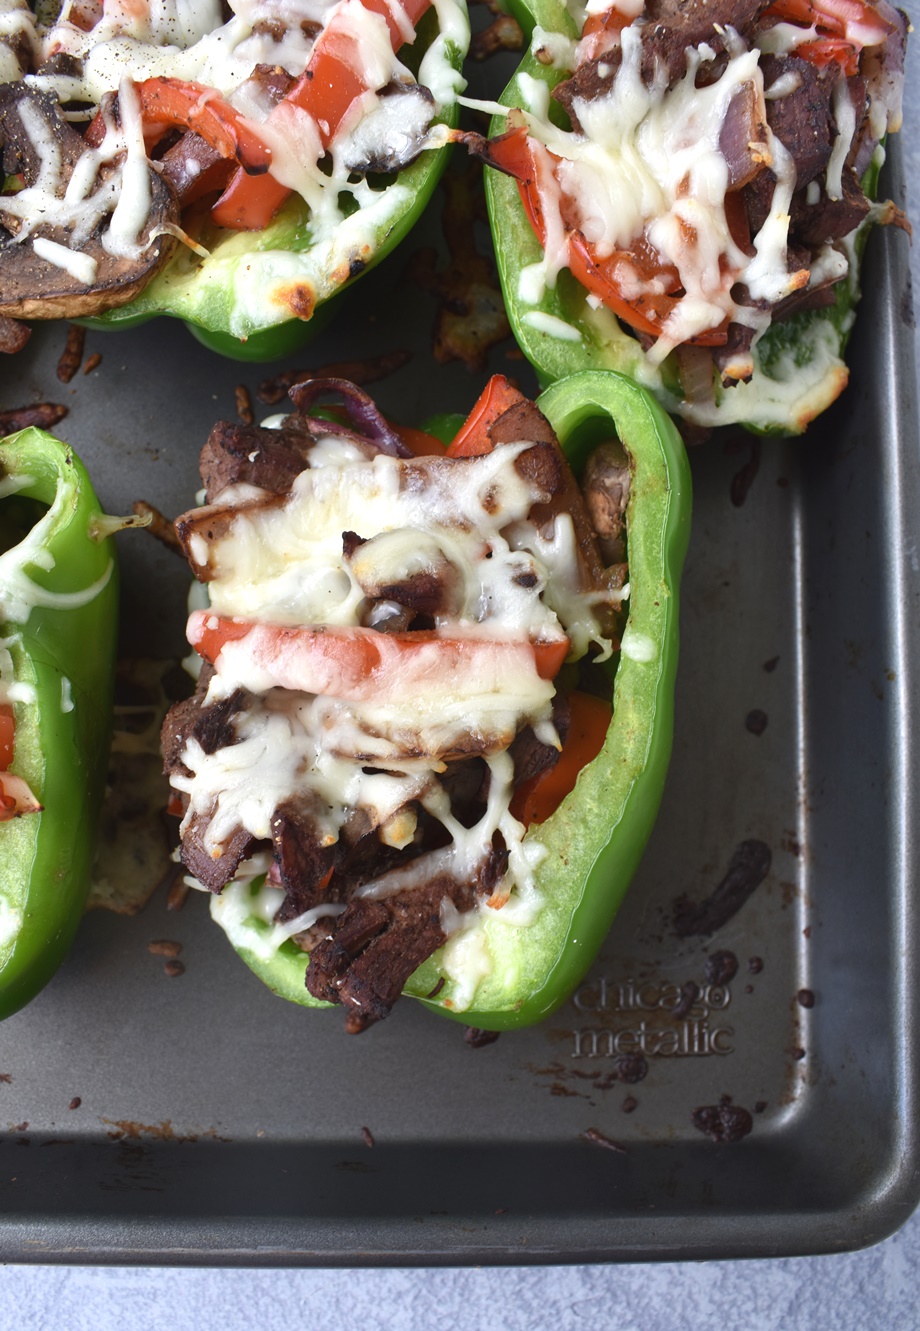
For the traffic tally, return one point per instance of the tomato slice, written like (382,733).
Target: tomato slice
(362,665)
(326,89)
(472,439)
(536,799)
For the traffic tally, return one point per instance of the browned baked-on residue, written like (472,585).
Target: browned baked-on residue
(756,721)
(743,479)
(471,317)
(243,404)
(721,967)
(748,867)
(362,372)
(43,415)
(123,1129)
(478,1039)
(164,947)
(72,355)
(725,1122)
(504,33)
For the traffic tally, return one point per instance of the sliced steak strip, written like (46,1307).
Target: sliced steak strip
(214,871)
(377,942)
(305,854)
(829,219)
(249,454)
(802,119)
(178,723)
(529,754)
(525,421)
(673,27)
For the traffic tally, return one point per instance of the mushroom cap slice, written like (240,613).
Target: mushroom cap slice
(33,288)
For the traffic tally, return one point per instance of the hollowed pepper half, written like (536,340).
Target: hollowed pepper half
(58,617)
(664,205)
(593,840)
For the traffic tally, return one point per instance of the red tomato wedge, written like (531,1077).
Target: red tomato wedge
(472,439)
(362,665)
(536,799)
(514,153)
(326,89)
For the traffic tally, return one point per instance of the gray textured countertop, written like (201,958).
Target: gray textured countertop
(840,1293)
(845,1292)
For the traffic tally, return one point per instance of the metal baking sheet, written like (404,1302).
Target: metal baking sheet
(218,1124)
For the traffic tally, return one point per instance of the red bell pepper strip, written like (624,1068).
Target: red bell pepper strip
(166,103)
(859,23)
(16,798)
(535,800)
(420,443)
(472,439)
(514,154)
(325,90)
(362,665)
(7,733)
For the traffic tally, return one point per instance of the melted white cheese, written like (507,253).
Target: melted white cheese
(647,163)
(134,41)
(19,593)
(282,563)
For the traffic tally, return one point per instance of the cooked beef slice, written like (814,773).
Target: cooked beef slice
(179,721)
(214,727)
(671,29)
(802,119)
(214,871)
(378,942)
(734,360)
(269,459)
(193,167)
(529,754)
(829,219)
(433,584)
(304,855)
(35,288)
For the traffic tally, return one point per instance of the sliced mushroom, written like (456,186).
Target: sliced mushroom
(35,287)
(393,134)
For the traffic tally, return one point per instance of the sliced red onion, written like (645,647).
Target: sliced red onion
(370,426)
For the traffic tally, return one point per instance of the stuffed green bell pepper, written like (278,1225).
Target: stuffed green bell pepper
(235,167)
(686,191)
(431,732)
(58,607)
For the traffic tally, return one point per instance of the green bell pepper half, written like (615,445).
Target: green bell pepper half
(799,365)
(239,301)
(597,835)
(59,612)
